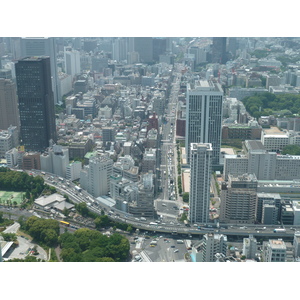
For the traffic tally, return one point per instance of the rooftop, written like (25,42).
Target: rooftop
(273,131)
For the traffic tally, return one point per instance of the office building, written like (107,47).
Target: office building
(8,140)
(267,198)
(219,54)
(274,251)
(143,205)
(296,244)
(270,214)
(210,245)
(108,134)
(264,164)
(239,199)
(204,116)
(144,47)
(200,162)
(250,247)
(31,161)
(36,104)
(9,112)
(72,62)
(149,161)
(73,170)
(44,47)
(55,160)
(95,178)
(125,167)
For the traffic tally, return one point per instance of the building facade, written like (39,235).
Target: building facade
(200,162)
(204,104)
(36,103)
(211,245)
(95,178)
(239,200)
(44,47)
(9,112)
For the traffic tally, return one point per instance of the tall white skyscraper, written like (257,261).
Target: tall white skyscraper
(200,161)
(204,116)
(72,61)
(44,46)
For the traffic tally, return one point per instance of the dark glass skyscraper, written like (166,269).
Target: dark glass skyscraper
(36,103)
(219,54)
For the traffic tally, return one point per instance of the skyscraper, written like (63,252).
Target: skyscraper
(144,46)
(9,113)
(44,47)
(200,158)
(219,54)
(36,103)
(204,116)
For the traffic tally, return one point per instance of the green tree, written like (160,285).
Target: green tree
(185,197)
(82,209)
(291,149)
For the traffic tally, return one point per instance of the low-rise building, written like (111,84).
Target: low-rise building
(274,251)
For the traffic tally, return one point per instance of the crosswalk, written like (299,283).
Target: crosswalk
(145,257)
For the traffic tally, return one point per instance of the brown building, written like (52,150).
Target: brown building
(78,149)
(180,127)
(31,161)
(240,131)
(9,113)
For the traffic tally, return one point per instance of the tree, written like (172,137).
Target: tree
(291,149)
(82,209)
(129,228)
(185,197)
(183,217)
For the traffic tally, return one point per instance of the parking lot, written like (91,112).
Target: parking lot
(162,248)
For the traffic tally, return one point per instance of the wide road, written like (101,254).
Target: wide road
(165,227)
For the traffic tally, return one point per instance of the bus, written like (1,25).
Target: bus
(65,223)
(279,230)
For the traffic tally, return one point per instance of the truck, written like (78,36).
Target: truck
(179,241)
(276,230)
(78,189)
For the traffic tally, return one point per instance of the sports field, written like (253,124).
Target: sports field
(13,196)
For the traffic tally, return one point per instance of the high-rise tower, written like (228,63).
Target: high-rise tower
(9,113)
(219,54)
(44,47)
(36,105)
(204,116)
(200,158)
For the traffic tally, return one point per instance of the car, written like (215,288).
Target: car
(176,250)
(172,246)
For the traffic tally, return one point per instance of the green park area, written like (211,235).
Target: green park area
(11,198)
